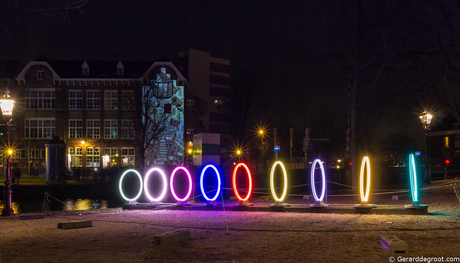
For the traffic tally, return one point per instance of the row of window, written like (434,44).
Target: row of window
(46,99)
(93,156)
(46,128)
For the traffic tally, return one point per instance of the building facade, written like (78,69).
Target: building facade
(94,106)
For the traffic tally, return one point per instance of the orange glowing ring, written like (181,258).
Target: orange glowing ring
(234,182)
(365,196)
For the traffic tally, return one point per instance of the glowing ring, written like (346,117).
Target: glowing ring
(234,182)
(165,184)
(413,178)
(323,191)
(272,188)
(121,180)
(365,197)
(189,183)
(218,183)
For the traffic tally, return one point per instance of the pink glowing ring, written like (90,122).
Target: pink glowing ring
(189,184)
(249,179)
(165,184)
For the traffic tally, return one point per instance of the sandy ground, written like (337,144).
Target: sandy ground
(127,236)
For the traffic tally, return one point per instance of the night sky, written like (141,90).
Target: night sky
(277,42)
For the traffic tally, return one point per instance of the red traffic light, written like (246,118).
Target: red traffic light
(447,161)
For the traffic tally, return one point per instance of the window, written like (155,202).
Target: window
(92,129)
(127,99)
(75,99)
(189,131)
(40,75)
(76,157)
(112,152)
(93,156)
(43,99)
(75,129)
(93,101)
(110,129)
(43,153)
(446,142)
(190,102)
(127,129)
(40,128)
(34,153)
(120,69)
(127,157)
(110,99)
(23,153)
(457,141)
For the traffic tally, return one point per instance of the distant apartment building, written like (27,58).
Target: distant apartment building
(91,105)
(208,88)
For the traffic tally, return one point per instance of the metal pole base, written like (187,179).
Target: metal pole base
(243,203)
(416,205)
(279,204)
(365,205)
(211,203)
(182,203)
(319,204)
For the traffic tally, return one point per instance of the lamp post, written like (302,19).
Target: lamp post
(425,118)
(6,105)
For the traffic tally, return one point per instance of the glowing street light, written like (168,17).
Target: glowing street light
(425,118)
(6,105)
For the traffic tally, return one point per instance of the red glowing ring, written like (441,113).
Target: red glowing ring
(189,184)
(234,182)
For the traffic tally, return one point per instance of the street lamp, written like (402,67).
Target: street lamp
(425,118)
(6,105)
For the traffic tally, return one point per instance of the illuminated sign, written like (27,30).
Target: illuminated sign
(121,181)
(418,153)
(203,192)
(365,196)
(165,184)
(272,187)
(277,148)
(323,176)
(235,189)
(189,184)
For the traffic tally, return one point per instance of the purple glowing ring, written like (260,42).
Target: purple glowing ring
(323,176)
(121,180)
(189,184)
(165,184)
(218,183)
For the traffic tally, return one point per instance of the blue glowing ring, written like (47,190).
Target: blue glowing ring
(323,176)
(413,178)
(201,183)
(140,188)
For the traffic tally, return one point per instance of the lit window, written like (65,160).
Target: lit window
(76,156)
(93,129)
(75,99)
(42,128)
(112,152)
(110,129)
(189,131)
(93,156)
(75,129)
(110,99)
(127,157)
(42,99)
(446,142)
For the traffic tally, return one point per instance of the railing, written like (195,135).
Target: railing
(443,172)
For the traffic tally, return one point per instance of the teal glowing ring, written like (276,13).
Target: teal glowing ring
(413,178)
(121,181)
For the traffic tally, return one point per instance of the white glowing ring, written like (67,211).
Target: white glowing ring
(365,197)
(189,184)
(323,176)
(218,183)
(121,180)
(285,181)
(413,178)
(165,184)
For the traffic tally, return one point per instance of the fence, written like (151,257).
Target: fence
(443,172)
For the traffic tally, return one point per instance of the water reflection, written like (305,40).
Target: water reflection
(36,206)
